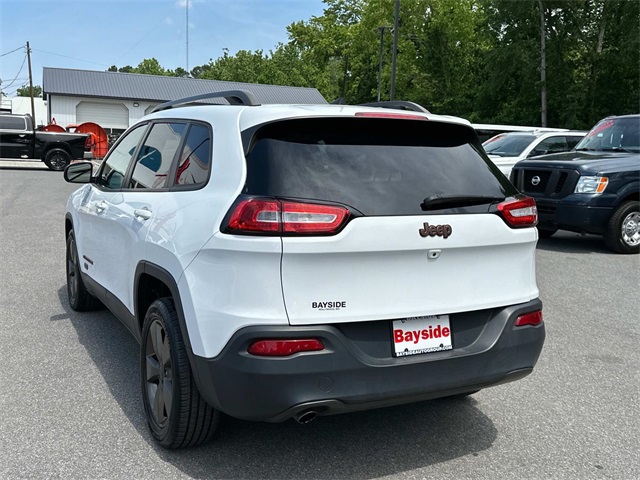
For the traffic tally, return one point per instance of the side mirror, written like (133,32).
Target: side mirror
(79,172)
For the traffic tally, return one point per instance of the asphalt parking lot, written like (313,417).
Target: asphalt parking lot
(70,403)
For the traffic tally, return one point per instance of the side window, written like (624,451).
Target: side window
(12,123)
(156,155)
(114,167)
(572,142)
(550,145)
(194,161)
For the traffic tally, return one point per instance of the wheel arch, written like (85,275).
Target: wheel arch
(635,196)
(68,224)
(628,193)
(153,282)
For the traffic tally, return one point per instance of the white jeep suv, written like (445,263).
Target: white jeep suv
(290,261)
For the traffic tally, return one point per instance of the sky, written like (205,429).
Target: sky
(95,34)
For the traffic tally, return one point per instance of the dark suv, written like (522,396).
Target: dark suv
(592,189)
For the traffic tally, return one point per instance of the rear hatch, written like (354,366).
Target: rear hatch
(421,232)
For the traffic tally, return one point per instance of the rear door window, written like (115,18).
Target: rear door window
(551,145)
(12,123)
(156,156)
(572,142)
(194,161)
(375,166)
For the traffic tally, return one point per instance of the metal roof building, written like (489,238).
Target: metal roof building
(116,100)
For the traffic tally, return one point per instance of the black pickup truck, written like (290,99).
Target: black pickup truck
(595,188)
(19,139)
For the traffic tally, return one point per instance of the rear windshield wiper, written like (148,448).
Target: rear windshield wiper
(435,202)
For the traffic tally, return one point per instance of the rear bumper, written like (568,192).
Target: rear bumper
(356,371)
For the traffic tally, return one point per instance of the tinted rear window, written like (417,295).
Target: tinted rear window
(376,166)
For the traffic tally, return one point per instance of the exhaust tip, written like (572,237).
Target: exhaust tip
(305,417)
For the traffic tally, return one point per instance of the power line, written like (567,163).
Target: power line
(19,48)
(19,72)
(66,56)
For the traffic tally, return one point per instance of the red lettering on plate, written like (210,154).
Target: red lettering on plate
(398,336)
(445,332)
(437,332)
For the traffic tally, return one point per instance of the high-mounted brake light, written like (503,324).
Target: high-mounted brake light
(390,115)
(275,217)
(533,318)
(284,347)
(519,213)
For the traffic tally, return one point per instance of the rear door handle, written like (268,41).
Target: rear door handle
(142,213)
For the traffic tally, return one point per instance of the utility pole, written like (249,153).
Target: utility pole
(543,66)
(395,50)
(188,36)
(33,107)
(381,29)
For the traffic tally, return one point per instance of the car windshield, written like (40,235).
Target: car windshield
(507,145)
(613,134)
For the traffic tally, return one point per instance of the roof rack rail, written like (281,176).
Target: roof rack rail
(234,97)
(400,104)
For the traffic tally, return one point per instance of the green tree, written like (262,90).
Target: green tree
(26,91)
(150,66)
(592,53)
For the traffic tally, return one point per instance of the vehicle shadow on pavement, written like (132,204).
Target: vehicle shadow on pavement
(570,242)
(358,445)
(34,168)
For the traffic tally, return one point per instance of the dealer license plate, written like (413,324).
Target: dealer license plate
(417,335)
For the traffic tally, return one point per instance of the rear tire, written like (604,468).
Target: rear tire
(79,299)
(57,159)
(177,415)
(623,232)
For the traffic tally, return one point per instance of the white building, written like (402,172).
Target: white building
(116,100)
(22,105)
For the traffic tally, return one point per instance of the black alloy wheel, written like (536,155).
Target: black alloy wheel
(159,373)
(79,299)
(73,272)
(57,159)
(177,415)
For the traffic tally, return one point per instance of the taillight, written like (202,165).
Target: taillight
(274,217)
(255,215)
(284,347)
(519,212)
(533,318)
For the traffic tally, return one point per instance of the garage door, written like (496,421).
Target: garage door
(107,115)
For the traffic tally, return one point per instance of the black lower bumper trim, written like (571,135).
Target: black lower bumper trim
(333,407)
(357,370)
